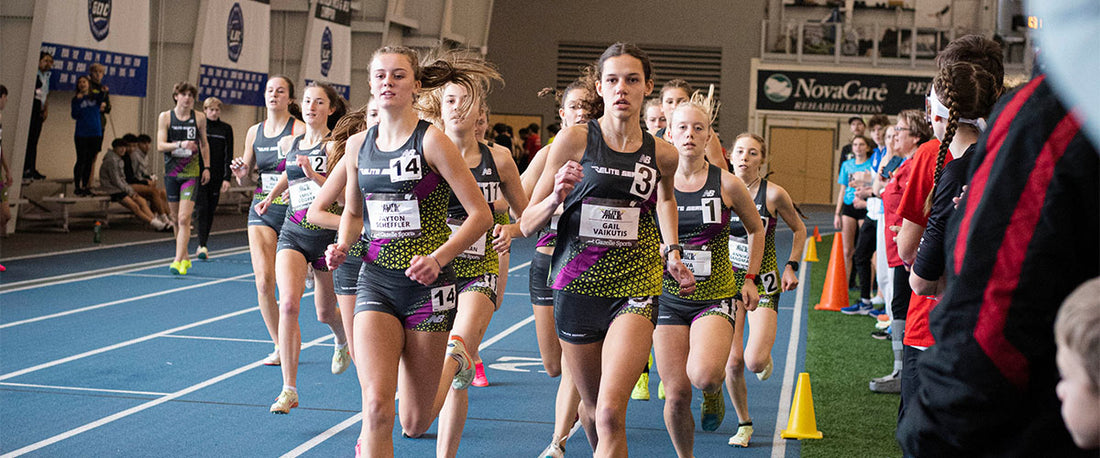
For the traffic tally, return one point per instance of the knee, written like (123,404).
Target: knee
(611,419)
(184,218)
(265,285)
(414,425)
(289,307)
(328,314)
(678,395)
(735,367)
(706,379)
(756,363)
(378,412)
(553,368)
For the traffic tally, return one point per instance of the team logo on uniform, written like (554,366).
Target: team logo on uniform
(234,32)
(326,51)
(99,18)
(778,88)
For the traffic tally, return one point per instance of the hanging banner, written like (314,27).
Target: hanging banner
(233,51)
(114,33)
(327,53)
(845,93)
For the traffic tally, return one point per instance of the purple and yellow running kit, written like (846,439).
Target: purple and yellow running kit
(271,164)
(478,267)
(704,234)
(607,259)
(768,281)
(404,215)
(182,167)
(297,233)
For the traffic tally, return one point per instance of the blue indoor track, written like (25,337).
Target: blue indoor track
(104,353)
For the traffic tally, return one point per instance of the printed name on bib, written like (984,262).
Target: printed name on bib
(393,216)
(475,251)
(609,222)
(181,152)
(303,192)
(268,181)
(739,252)
(697,259)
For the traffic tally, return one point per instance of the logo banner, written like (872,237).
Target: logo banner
(327,53)
(847,93)
(114,33)
(233,51)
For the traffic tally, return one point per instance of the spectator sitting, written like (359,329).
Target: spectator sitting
(112,181)
(138,179)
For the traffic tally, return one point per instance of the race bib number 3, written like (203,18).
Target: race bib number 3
(475,251)
(697,260)
(611,223)
(302,193)
(444,298)
(739,252)
(393,216)
(406,168)
(268,181)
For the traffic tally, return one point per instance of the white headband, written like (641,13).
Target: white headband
(938,109)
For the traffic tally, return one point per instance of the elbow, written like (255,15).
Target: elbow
(921,286)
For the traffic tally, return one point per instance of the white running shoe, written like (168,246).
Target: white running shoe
(157,224)
(273,359)
(341,359)
(554,450)
(456,349)
(309,277)
(767,372)
(741,439)
(287,400)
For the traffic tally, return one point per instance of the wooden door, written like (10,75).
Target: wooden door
(802,161)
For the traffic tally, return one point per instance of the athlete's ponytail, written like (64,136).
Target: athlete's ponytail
(463,68)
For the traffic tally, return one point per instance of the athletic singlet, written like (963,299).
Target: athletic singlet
(303,190)
(609,245)
(180,162)
(405,201)
(269,160)
(480,258)
(767,281)
(704,234)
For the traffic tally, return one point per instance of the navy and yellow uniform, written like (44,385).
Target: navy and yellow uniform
(271,163)
(704,235)
(538,282)
(478,266)
(182,167)
(768,280)
(404,215)
(297,233)
(345,278)
(607,261)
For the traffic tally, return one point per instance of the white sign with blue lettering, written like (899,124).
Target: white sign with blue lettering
(327,52)
(234,49)
(114,33)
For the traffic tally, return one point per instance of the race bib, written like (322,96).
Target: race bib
(444,298)
(491,190)
(739,252)
(181,152)
(475,251)
(697,259)
(406,168)
(769,282)
(554,222)
(302,193)
(393,216)
(268,181)
(318,164)
(608,222)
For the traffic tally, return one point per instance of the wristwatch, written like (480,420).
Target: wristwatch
(793,265)
(671,248)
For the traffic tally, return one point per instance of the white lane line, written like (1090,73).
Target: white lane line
(124,344)
(77,388)
(107,247)
(98,273)
(328,433)
(223,339)
(121,301)
(148,405)
(779,444)
(169,276)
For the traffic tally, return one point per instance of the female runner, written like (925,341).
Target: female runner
(181,135)
(573,110)
(302,243)
(261,148)
(398,184)
(747,157)
(476,267)
(694,331)
(673,93)
(612,177)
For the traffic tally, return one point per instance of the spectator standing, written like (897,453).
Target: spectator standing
(503,135)
(857,128)
(95,78)
(88,137)
(39,112)
(220,137)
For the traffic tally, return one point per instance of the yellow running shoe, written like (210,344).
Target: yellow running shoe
(661,390)
(714,410)
(176,268)
(287,400)
(767,372)
(641,388)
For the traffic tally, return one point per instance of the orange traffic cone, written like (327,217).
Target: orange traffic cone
(811,251)
(817,234)
(802,424)
(834,296)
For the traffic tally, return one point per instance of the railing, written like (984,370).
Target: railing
(874,44)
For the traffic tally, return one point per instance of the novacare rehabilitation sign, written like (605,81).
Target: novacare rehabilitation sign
(848,93)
